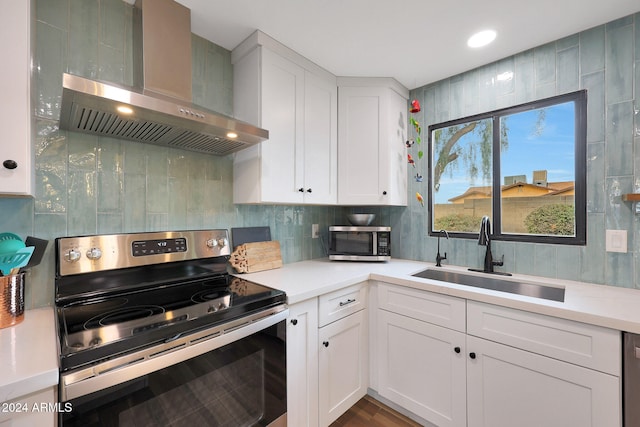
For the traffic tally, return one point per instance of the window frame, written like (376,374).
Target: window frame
(579,98)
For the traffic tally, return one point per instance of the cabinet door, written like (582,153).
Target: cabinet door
(344,365)
(422,368)
(16,167)
(302,364)
(320,140)
(510,387)
(360,112)
(282,114)
(393,169)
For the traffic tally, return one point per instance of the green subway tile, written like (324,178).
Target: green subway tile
(53,12)
(134,198)
(49,65)
(596,110)
(135,157)
(110,223)
(568,262)
(619,63)
(157,222)
(157,197)
(568,42)
(568,70)
(82,150)
(110,184)
(545,64)
(83,38)
(592,51)
(112,65)
(17,216)
(524,77)
(82,192)
(596,161)
(545,261)
(112,23)
(619,139)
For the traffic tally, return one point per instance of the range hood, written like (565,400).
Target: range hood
(158,110)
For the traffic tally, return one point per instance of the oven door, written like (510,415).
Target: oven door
(233,377)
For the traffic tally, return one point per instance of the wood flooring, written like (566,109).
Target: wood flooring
(368,412)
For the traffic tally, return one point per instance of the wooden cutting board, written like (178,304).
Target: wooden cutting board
(256,256)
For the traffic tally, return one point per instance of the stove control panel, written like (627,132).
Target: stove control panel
(158,246)
(86,254)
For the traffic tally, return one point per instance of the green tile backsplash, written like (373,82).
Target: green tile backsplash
(87,184)
(604,60)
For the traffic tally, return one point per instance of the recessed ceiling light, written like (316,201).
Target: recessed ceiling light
(481,38)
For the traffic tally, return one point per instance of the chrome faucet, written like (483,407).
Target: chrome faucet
(438,257)
(485,240)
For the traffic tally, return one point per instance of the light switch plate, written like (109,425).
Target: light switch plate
(315,231)
(616,241)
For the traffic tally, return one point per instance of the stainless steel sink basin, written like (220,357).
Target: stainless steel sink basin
(491,282)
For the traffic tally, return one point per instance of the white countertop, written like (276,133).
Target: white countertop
(607,306)
(28,355)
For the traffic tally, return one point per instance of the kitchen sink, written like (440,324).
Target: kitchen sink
(497,284)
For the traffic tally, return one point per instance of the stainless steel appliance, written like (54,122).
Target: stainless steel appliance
(158,109)
(631,379)
(359,243)
(153,331)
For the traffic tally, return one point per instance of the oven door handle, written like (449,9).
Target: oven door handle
(85,381)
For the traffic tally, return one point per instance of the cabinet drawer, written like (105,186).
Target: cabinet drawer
(341,303)
(441,310)
(574,342)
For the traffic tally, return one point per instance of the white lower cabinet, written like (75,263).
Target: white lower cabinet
(302,364)
(509,387)
(343,351)
(343,366)
(564,373)
(422,368)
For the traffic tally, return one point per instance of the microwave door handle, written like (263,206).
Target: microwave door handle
(375,243)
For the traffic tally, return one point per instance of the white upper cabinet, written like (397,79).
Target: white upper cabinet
(296,101)
(16,163)
(372,133)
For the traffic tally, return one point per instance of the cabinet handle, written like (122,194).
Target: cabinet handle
(301,190)
(347,302)
(308,190)
(384,193)
(472,355)
(325,343)
(10,164)
(294,322)
(457,349)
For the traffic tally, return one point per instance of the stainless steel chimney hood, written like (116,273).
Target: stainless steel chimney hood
(160,114)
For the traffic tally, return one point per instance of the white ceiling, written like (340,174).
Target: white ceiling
(415,41)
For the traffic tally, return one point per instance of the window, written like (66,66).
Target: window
(524,167)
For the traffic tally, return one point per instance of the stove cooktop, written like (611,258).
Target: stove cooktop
(118,293)
(103,327)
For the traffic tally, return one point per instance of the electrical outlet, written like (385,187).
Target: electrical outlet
(616,241)
(315,231)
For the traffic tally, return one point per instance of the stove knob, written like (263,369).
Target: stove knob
(221,242)
(72,255)
(222,306)
(212,309)
(94,253)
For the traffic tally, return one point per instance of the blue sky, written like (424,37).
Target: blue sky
(552,150)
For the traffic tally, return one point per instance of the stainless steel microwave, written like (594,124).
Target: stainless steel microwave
(356,243)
